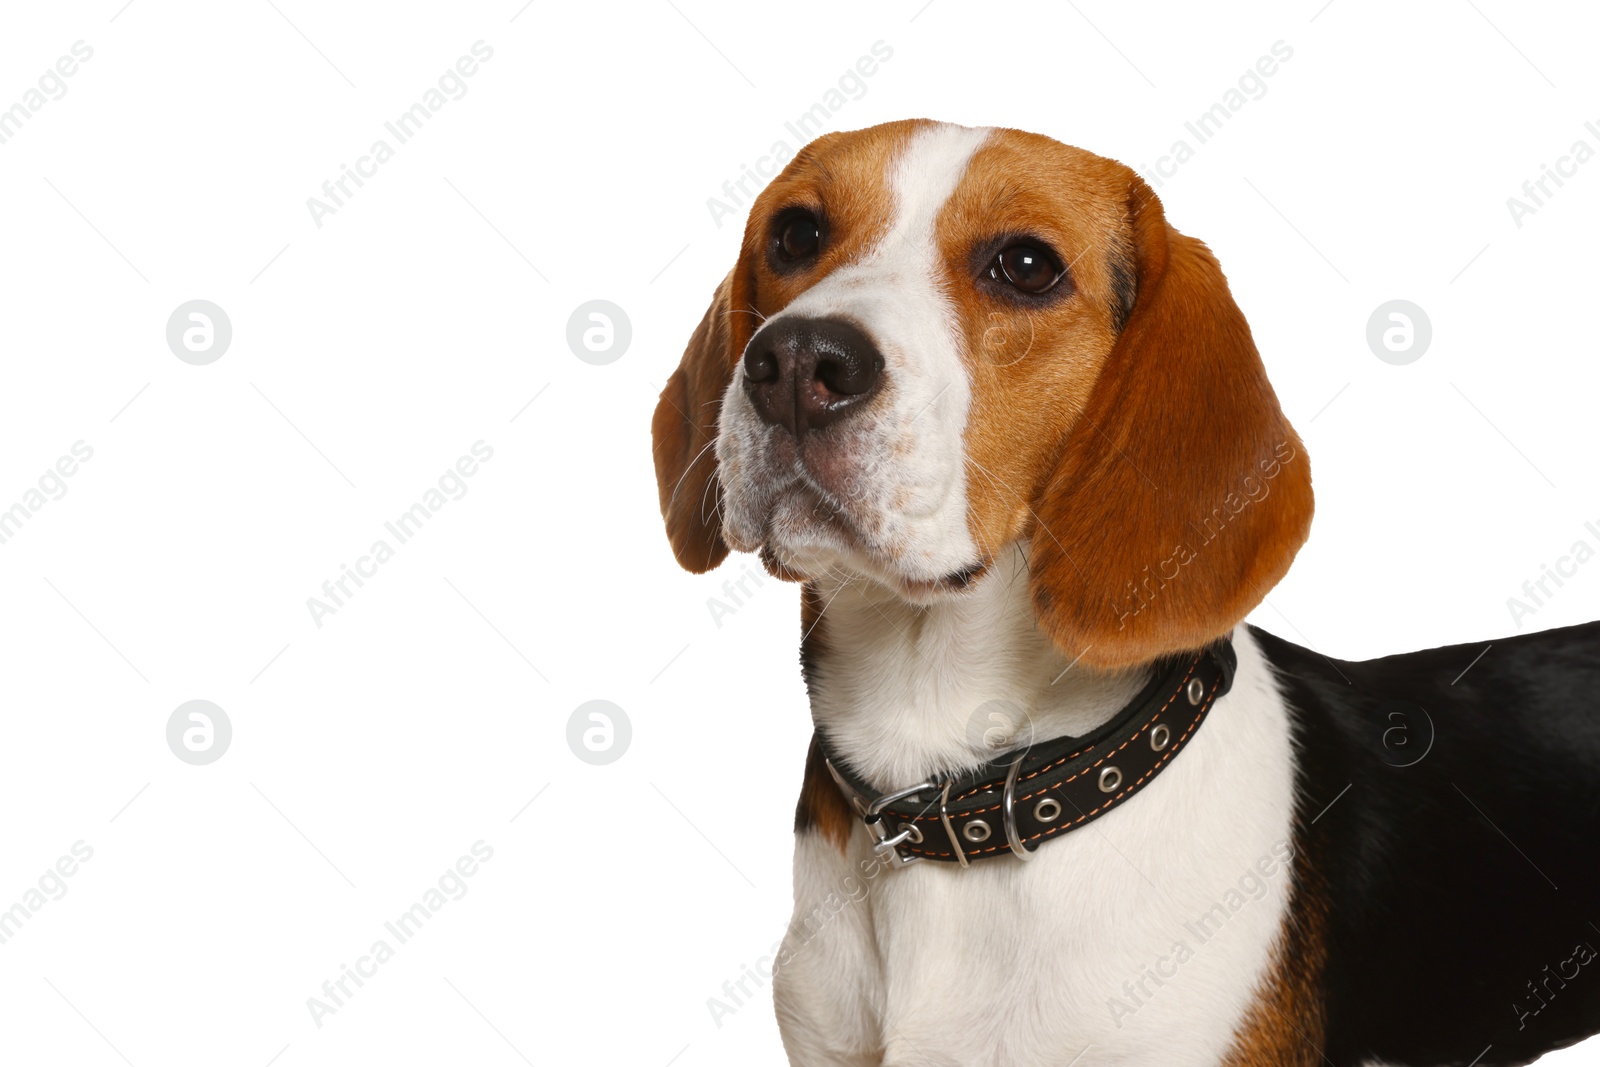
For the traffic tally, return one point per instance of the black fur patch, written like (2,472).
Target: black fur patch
(1461,879)
(1124,285)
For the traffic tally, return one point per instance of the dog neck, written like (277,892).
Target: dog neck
(902,691)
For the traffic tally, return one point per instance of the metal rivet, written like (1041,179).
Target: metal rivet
(1197,690)
(914,835)
(1110,779)
(1160,737)
(976,831)
(1047,810)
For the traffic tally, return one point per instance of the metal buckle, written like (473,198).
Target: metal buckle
(885,845)
(1008,808)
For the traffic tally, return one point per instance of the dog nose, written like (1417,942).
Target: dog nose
(805,374)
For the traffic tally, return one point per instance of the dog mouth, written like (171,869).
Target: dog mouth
(800,516)
(806,535)
(964,578)
(957,582)
(822,508)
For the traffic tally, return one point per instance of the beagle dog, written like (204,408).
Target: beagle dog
(1010,431)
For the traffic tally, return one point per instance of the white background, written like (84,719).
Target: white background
(368,354)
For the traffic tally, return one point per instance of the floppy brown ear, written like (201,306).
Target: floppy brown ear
(684,432)
(1182,493)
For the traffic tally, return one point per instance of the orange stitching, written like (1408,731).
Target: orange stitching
(1090,748)
(983,787)
(1085,816)
(1210,698)
(1066,759)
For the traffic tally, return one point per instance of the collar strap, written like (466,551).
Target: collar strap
(1022,798)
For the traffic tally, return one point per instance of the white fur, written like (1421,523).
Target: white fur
(1005,964)
(906,492)
(1015,964)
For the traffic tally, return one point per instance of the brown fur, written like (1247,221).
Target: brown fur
(1283,1027)
(1032,368)
(1182,493)
(841,176)
(1141,451)
(822,807)
(684,431)
(1127,431)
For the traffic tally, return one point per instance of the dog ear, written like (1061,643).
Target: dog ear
(1182,493)
(684,433)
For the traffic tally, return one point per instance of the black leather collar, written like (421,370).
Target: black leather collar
(1022,798)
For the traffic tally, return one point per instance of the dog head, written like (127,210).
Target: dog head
(941,342)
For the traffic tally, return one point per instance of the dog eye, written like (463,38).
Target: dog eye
(1027,268)
(799,237)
